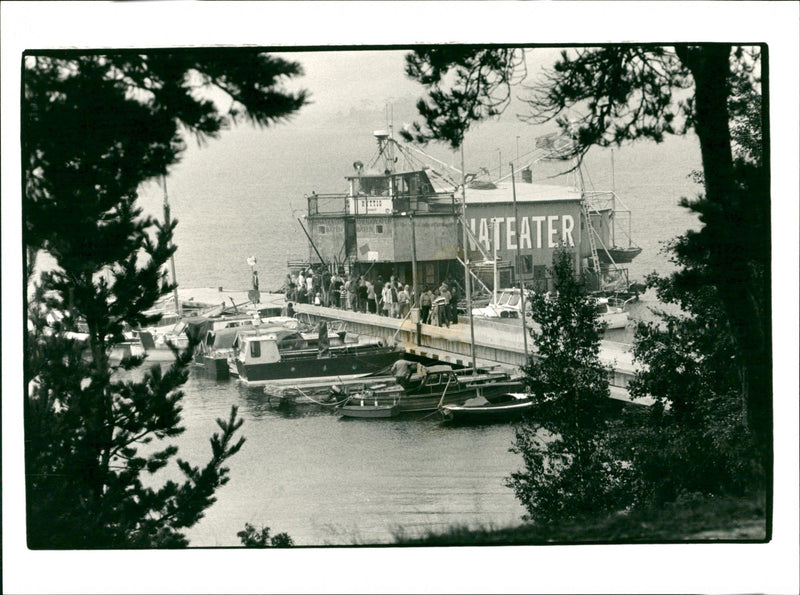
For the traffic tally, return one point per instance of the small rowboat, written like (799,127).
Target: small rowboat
(494,408)
(364,407)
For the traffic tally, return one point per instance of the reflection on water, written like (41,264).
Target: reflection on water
(329,481)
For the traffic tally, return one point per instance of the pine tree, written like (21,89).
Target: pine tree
(615,94)
(94,127)
(569,468)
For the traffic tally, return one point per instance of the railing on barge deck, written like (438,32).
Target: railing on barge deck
(339,204)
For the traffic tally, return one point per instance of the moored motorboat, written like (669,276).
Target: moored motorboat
(488,409)
(429,387)
(612,313)
(504,303)
(281,353)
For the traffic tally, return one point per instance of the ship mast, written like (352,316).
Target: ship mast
(178,308)
(467,279)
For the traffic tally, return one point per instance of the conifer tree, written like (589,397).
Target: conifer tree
(569,469)
(615,94)
(94,127)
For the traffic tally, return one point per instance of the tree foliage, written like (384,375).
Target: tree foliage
(569,467)
(465,84)
(615,94)
(695,438)
(94,127)
(250,537)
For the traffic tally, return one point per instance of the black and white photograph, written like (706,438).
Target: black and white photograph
(412,298)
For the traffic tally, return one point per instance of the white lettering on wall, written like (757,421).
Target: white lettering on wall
(532,232)
(538,221)
(567,225)
(525,234)
(497,222)
(551,231)
(483,234)
(472,245)
(511,240)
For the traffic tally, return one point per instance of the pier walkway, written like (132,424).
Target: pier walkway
(496,341)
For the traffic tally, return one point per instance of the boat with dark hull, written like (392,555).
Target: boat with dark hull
(617,255)
(488,409)
(281,354)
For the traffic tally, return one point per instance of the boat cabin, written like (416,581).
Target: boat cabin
(266,346)
(506,303)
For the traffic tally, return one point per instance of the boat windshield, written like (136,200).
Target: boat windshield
(508,299)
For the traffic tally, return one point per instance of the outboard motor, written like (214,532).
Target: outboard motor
(337,393)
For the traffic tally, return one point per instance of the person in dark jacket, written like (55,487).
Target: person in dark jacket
(362,294)
(454,295)
(379,295)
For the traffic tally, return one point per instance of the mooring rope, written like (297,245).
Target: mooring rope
(335,404)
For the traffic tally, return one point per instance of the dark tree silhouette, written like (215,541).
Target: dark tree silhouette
(630,92)
(95,126)
(569,468)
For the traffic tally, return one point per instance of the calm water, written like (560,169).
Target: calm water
(312,475)
(326,480)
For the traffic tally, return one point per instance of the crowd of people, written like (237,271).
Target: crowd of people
(372,295)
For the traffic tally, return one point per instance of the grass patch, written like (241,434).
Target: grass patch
(696,519)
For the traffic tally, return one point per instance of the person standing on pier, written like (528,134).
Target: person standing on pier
(372,302)
(388,299)
(425,301)
(454,295)
(403,299)
(334,288)
(361,292)
(352,293)
(444,304)
(325,287)
(395,311)
(309,281)
(379,295)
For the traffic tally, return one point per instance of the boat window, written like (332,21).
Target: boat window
(433,379)
(503,299)
(255,348)
(601,308)
(289,342)
(513,299)
(373,186)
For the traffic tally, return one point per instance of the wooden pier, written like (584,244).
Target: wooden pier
(496,341)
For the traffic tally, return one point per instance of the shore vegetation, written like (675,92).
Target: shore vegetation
(94,127)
